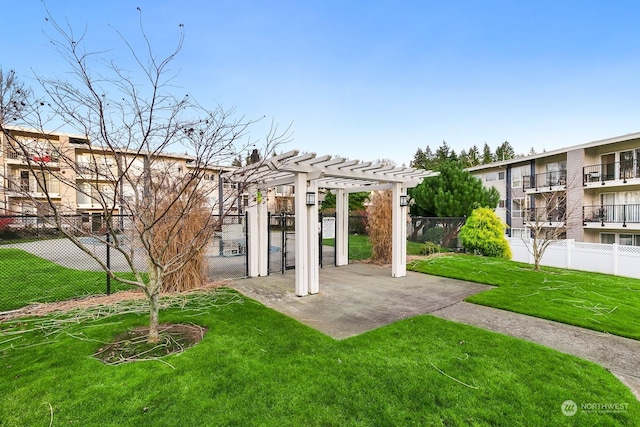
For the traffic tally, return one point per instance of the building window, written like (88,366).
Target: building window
(519,206)
(625,239)
(516,176)
(501,176)
(608,238)
(490,176)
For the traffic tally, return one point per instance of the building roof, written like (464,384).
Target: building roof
(599,143)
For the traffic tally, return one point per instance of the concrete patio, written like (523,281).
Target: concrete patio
(358,297)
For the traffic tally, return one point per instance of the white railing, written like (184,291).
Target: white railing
(619,260)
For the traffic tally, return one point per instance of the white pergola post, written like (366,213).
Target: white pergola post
(342,227)
(252,240)
(314,241)
(263,233)
(398,233)
(302,235)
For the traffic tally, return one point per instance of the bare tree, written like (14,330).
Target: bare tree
(551,217)
(126,127)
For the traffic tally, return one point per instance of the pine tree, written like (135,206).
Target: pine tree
(487,155)
(505,152)
(473,156)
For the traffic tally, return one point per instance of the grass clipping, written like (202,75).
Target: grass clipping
(379,215)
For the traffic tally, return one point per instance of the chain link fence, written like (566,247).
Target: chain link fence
(39,264)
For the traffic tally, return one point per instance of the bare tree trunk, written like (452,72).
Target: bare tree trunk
(154,308)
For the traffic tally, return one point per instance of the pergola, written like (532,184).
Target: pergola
(307,173)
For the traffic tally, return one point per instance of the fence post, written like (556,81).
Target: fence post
(529,246)
(269,243)
(568,243)
(247,235)
(614,254)
(108,265)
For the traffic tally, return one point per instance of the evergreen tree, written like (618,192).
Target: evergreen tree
(424,159)
(254,157)
(237,162)
(487,155)
(464,159)
(419,159)
(473,156)
(505,152)
(453,193)
(443,153)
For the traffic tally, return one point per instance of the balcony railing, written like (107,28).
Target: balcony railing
(35,157)
(545,180)
(604,172)
(618,214)
(545,215)
(31,186)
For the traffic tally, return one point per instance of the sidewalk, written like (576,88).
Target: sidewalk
(620,356)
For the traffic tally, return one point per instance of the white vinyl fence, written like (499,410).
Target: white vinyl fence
(619,260)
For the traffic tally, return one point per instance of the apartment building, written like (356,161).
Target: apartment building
(592,190)
(77,174)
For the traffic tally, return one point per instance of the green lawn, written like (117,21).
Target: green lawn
(25,279)
(256,366)
(596,301)
(360,247)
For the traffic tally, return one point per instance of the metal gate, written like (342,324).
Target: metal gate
(327,231)
(282,239)
(282,255)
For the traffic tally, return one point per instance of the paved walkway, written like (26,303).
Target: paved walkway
(356,298)
(621,356)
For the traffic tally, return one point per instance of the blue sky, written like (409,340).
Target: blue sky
(374,79)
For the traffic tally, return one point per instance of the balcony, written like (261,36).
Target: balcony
(547,181)
(30,188)
(612,216)
(545,217)
(617,173)
(18,157)
(87,171)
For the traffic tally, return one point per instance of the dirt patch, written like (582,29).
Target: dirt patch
(132,345)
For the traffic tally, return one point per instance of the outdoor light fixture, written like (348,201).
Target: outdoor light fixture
(403,201)
(311,198)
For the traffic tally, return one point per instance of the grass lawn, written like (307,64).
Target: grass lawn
(591,300)
(360,247)
(256,366)
(25,279)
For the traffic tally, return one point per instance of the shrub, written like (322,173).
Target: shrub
(483,234)
(430,248)
(6,233)
(379,227)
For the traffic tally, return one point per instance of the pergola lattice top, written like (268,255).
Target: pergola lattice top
(330,172)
